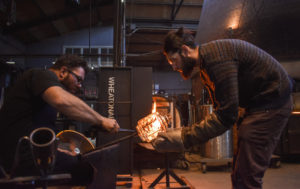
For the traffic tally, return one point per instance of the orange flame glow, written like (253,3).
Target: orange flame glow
(154,107)
(295,112)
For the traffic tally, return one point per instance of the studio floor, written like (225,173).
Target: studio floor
(287,176)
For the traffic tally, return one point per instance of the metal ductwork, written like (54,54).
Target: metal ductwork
(271,25)
(119,34)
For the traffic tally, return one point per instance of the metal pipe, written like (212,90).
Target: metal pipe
(126,130)
(117,34)
(113,142)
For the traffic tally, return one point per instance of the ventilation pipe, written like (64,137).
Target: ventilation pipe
(119,34)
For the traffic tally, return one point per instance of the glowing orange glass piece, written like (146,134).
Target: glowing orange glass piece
(149,126)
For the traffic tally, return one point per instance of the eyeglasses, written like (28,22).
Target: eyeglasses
(78,78)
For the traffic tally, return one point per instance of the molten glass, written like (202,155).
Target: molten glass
(149,126)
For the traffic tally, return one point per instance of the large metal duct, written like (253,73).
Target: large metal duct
(272,25)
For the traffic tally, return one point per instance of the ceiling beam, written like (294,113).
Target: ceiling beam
(24,26)
(45,15)
(186,4)
(25,55)
(161,21)
(174,12)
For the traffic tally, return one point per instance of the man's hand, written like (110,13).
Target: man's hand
(169,141)
(71,153)
(110,125)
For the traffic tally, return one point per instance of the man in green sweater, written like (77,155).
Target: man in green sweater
(236,74)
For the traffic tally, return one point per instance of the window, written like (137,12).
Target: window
(95,56)
(107,60)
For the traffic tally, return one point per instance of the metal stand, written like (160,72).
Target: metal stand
(168,172)
(224,161)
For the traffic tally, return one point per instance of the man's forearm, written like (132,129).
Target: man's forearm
(71,106)
(203,131)
(76,109)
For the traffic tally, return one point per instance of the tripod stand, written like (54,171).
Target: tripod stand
(168,172)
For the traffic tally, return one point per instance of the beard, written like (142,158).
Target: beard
(69,85)
(188,65)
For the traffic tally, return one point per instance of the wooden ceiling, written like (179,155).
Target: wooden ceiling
(147,22)
(150,21)
(35,20)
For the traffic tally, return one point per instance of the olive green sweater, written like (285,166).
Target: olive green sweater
(237,74)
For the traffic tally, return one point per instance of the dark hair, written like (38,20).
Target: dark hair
(175,39)
(70,61)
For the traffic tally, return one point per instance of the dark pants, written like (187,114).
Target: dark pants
(258,135)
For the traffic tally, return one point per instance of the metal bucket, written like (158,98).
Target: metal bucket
(220,147)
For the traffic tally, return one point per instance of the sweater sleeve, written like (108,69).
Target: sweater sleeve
(224,76)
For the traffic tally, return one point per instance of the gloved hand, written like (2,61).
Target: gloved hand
(169,141)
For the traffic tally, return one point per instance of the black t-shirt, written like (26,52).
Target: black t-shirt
(24,110)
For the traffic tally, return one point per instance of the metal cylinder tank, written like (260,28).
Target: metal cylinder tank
(220,147)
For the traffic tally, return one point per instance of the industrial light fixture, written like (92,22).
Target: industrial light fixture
(230,31)
(10,62)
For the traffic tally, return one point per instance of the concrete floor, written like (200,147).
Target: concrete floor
(287,176)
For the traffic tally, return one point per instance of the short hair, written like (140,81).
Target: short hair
(175,39)
(70,61)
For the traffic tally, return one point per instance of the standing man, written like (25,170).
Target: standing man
(33,102)
(236,74)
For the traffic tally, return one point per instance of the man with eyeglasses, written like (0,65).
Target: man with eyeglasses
(236,74)
(33,102)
